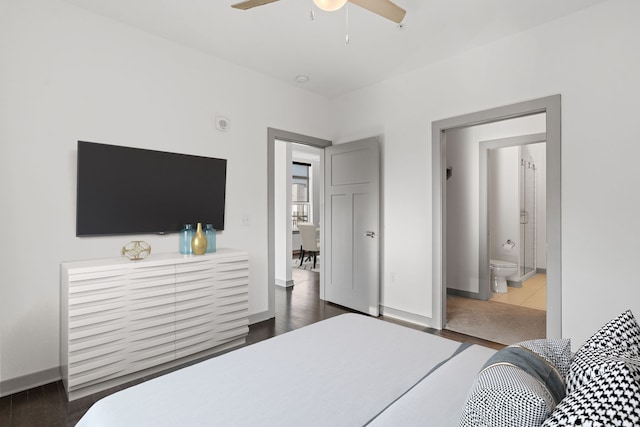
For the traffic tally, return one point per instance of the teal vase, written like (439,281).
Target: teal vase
(210,233)
(186,235)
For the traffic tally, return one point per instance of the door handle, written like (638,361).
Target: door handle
(371,234)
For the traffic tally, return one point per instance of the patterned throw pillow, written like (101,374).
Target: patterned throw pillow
(621,332)
(589,364)
(603,383)
(518,386)
(619,337)
(555,351)
(610,398)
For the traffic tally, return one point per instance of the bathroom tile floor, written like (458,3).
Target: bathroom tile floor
(532,294)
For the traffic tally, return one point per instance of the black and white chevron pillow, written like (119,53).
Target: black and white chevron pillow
(610,398)
(603,383)
(618,338)
(621,332)
(588,364)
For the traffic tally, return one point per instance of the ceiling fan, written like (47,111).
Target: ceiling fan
(385,8)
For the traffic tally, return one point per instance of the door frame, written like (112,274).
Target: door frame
(549,105)
(281,135)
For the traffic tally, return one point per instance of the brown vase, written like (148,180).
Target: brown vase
(199,241)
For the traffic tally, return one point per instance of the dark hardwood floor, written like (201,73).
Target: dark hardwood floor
(295,307)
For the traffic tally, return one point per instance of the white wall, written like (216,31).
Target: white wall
(66,75)
(590,59)
(463,192)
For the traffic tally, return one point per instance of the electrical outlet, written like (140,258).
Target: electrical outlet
(393,278)
(244,221)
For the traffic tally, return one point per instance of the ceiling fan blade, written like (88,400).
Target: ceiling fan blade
(385,8)
(251,3)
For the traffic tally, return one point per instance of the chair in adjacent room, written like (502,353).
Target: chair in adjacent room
(310,243)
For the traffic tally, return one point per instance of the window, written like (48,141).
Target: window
(300,201)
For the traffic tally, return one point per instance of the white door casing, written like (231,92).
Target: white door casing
(352,216)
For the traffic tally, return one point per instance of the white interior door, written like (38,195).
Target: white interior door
(352,186)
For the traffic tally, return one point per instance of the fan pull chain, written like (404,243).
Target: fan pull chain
(312,15)
(347,24)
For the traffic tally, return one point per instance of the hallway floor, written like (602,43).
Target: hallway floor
(517,315)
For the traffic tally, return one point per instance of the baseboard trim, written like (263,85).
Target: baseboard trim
(407,317)
(26,382)
(464,294)
(261,317)
(284,283)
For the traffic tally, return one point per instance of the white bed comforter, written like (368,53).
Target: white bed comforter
(343,371)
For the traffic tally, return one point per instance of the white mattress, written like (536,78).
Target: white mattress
(438,400)
(340,372)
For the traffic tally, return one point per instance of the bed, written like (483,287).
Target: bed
(349,370)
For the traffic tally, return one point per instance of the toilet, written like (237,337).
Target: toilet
(500,270)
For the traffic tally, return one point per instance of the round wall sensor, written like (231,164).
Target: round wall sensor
(222,123)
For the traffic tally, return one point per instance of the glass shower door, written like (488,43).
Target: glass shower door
(527,218)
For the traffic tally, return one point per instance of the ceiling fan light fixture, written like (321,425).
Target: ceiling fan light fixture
(329,5)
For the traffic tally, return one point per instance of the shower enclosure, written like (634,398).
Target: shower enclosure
(527,192)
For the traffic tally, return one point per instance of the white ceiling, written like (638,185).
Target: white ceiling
(281,41)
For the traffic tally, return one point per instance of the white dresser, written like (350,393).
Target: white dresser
(122,319)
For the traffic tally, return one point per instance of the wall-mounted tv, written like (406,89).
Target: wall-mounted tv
(124,190)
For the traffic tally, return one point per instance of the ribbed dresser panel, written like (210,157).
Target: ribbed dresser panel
(123,319)
(232,298)
(195,307)
(97,331)
(151,329)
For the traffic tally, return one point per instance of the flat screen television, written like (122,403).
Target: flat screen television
(124,190)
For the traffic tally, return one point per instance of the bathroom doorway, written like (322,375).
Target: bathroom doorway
(483,202)
(444,174)
(512,208)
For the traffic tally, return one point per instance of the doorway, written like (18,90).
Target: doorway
(307,190)
(274,135)
(551,107)
(495,182)
(512,212)
(298,190)
(515,206)
(351,207)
